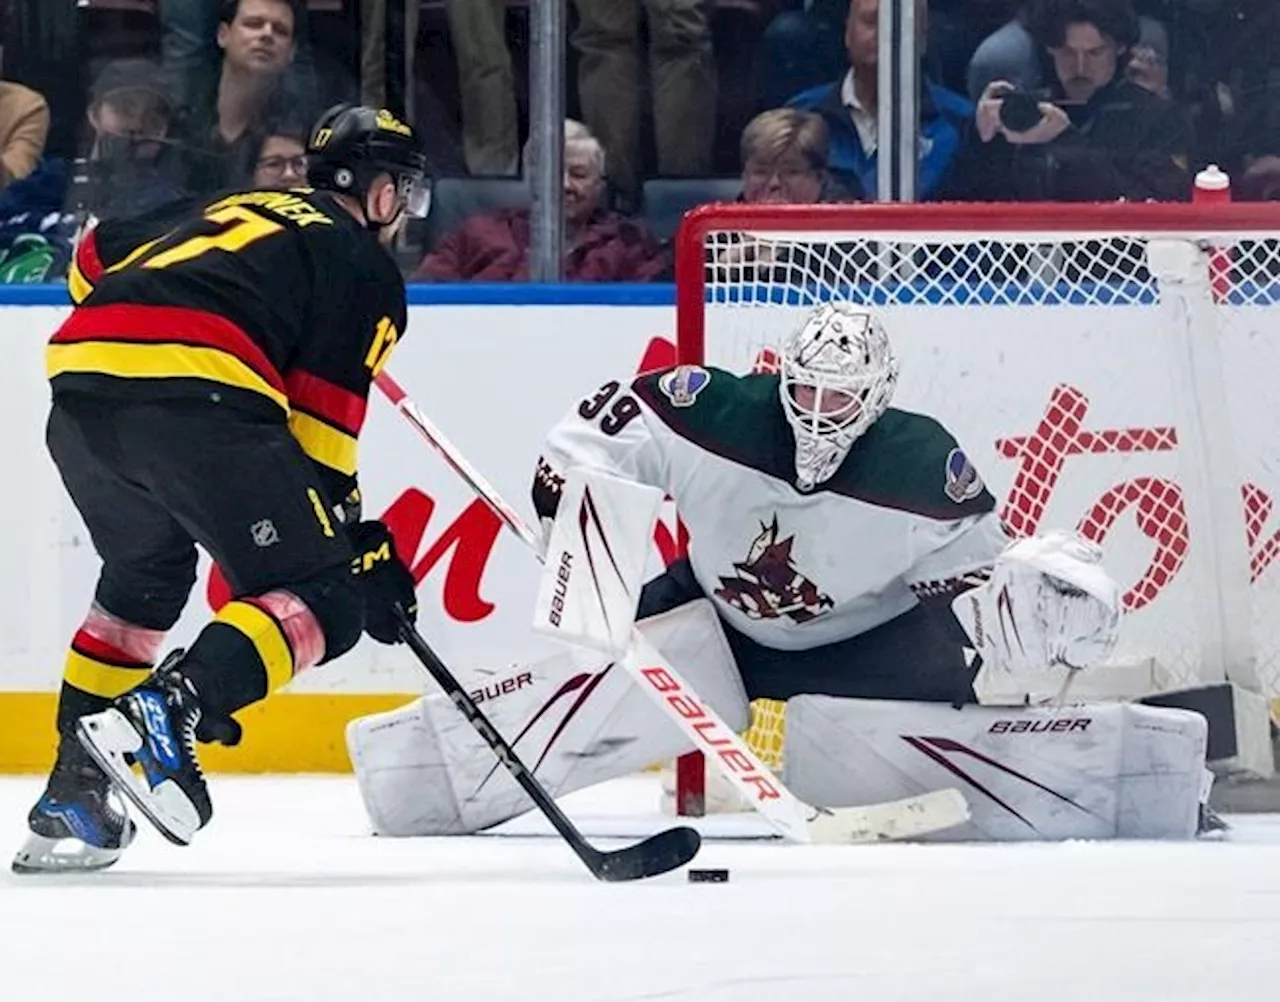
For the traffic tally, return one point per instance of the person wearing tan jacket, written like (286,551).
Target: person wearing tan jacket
(24,126)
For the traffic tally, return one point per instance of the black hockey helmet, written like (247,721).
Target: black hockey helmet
(352,144)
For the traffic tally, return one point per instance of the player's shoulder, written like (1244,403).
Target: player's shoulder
(111,240)
(913,462)
(736,417)
(701,392)
(909,429)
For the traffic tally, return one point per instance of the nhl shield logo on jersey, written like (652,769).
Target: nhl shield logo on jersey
(683,384)
(768,585)
(963,483)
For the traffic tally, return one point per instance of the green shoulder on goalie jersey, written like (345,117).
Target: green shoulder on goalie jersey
(836,547)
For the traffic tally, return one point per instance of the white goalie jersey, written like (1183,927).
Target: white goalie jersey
(905,516)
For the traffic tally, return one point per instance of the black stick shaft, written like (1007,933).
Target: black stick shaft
(506,754)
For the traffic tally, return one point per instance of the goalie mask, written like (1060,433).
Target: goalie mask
(838,374)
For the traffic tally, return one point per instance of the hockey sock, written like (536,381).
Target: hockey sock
(253,647)
(108,657)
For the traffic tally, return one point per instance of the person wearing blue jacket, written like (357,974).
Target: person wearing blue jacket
(849,107)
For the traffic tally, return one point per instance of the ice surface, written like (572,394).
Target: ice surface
(285,897)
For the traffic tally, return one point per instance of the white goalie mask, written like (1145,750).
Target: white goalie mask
(838,373)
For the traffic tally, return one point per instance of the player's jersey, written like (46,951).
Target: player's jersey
(274,301)
(906,515)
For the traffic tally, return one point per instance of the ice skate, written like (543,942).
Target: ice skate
(146,742)
(79,824)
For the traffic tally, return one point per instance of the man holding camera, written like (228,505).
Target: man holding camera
(1094,135)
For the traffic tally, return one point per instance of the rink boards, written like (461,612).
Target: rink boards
(495,367)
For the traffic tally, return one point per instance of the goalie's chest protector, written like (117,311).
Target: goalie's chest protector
(791,569)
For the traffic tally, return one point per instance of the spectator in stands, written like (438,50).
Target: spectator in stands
(486,84)
(282,157)
(801,47)
(956,29)
(1241,119)
(133,165)
(784,162)
(1095,135)
(256,39)
(600,245)
(388,54)
(682,77)
(1010,53)
(24,126)
(784,158)
(189,48)
(35,234)
(850,104)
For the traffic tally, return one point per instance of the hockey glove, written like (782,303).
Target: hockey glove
(386,581)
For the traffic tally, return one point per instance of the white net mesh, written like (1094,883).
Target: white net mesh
(1118,382)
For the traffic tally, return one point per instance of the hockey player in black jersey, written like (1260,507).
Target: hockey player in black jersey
(208,389)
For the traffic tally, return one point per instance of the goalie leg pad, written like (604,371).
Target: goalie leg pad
(573,720)
(1091,771)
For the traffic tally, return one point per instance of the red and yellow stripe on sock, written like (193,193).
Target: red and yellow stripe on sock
(95,673)
(101,669)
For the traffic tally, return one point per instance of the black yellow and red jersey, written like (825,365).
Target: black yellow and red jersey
(274,300)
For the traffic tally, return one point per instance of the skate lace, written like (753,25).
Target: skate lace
(191,720)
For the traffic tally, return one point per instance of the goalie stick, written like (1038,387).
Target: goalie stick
(657,854)
(791,817)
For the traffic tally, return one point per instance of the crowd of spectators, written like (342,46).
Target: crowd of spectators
(1055,100)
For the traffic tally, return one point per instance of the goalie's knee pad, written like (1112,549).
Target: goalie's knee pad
(335,599)
(575,721)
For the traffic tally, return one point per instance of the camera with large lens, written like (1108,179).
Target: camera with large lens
(1020,111)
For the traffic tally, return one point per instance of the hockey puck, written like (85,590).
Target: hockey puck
(708,876)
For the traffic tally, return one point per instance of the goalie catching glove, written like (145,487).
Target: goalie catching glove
(1049,603)
(385,579)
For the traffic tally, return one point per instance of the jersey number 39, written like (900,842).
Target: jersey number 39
(624,410)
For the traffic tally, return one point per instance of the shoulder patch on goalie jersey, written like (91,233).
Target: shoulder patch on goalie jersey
(683,384)
(962,480)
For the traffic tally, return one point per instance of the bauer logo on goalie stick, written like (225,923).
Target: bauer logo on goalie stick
(963,483)
(683,384)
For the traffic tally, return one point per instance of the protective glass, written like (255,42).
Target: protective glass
(414,191)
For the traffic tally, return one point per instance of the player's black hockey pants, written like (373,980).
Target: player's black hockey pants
(151,480)
(914,656)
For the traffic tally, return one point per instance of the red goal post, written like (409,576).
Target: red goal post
(1109,367)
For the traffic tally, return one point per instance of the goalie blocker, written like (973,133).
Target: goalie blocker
(1076,772)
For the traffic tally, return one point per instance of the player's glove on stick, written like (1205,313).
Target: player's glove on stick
(386,580)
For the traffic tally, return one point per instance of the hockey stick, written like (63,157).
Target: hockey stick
(657,854)
(791,817)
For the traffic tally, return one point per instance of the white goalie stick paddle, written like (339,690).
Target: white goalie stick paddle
(791,817)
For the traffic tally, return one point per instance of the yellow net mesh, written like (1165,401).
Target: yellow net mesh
(767,731)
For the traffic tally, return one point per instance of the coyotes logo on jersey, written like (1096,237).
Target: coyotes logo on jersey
(768,585)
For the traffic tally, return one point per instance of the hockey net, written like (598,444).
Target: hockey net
(1107,367)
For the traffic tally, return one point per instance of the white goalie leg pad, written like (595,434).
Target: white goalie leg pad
(1098,771)
(423,770)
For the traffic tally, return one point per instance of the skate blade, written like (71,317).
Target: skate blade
(108,737)
(61,855)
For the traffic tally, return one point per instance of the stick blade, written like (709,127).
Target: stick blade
(891,821)
(657,854)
